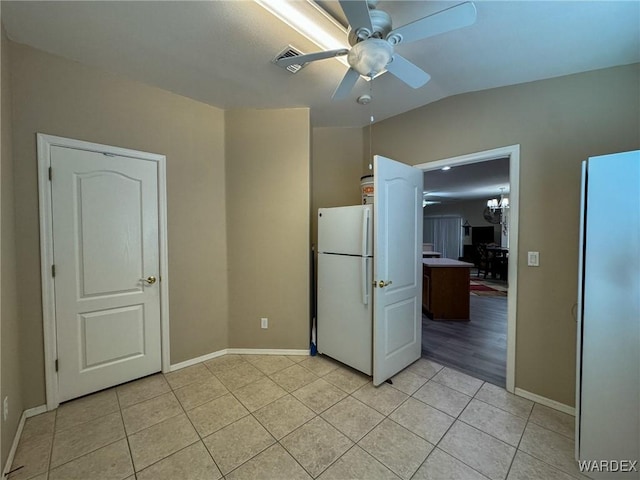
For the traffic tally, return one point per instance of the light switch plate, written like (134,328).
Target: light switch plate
(533,259)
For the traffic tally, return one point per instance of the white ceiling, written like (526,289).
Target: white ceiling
(474,181)
(220,52)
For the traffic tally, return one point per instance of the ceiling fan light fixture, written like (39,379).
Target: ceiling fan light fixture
(369,58)
(311,21)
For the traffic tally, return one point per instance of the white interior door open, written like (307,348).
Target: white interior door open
(397,320)
(106,255)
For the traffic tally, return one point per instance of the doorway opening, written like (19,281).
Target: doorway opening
(489,249)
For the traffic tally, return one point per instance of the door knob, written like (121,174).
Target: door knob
(383,284)
(150,280)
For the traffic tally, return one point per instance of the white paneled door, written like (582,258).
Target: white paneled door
(106,256)
(397,321)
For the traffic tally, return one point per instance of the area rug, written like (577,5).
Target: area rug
(483,288)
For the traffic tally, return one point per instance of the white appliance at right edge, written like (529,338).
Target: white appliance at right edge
(608,346)
(370,275)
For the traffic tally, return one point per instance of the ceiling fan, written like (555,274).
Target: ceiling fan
(373,42)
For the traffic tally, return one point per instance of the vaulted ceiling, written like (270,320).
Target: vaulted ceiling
(220,52)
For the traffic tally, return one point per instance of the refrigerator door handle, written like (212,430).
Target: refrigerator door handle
(365,283)
(365,231)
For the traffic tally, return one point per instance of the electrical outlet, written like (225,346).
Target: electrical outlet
(5,408)
(264,322)
(533,259)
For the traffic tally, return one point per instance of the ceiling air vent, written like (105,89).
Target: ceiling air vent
(288,53)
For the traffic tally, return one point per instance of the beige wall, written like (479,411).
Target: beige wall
(268,185)
(558,123)
(336,170)
(11,385)
(60,97)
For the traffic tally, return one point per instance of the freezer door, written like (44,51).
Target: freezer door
(345,230)
(609,371)
(344,310)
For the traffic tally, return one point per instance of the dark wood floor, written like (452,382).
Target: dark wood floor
(477,347)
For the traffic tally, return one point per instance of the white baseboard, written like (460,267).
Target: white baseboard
(547,402)
(30,412)
(200,359)
(236,351)
(266,351)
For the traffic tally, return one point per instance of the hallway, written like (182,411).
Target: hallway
(477,347)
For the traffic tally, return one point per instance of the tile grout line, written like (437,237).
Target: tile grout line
(490,434)
(517,416)
(101,415)
(456,418)
(184,410)
(276,441)
(53,438)
(527,421)
(501,409)
(317,415)
(385,417)
(126,435)
(440,410)
(521,437)
(554,467)
(250,414)
(86,453)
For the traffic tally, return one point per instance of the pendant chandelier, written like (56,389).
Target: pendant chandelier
(498,205)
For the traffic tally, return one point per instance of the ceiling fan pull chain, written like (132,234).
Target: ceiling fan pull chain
(371,123)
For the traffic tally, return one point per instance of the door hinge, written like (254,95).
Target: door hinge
(50,173)
(53,270)
(56,364)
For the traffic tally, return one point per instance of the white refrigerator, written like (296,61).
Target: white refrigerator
(345,297)
(608,346)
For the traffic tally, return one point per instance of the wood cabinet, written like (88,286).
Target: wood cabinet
(445,289)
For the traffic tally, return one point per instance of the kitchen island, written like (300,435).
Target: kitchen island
(445,288)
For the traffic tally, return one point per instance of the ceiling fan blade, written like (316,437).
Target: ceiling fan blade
(452,18)
(311,57)
(348,82)
(357,13)
(407,72)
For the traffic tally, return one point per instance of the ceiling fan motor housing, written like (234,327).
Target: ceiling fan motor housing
(381,23)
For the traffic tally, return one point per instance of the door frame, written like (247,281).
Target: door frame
(513,152)
(44,144)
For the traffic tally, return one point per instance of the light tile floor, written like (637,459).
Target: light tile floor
(277,417)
